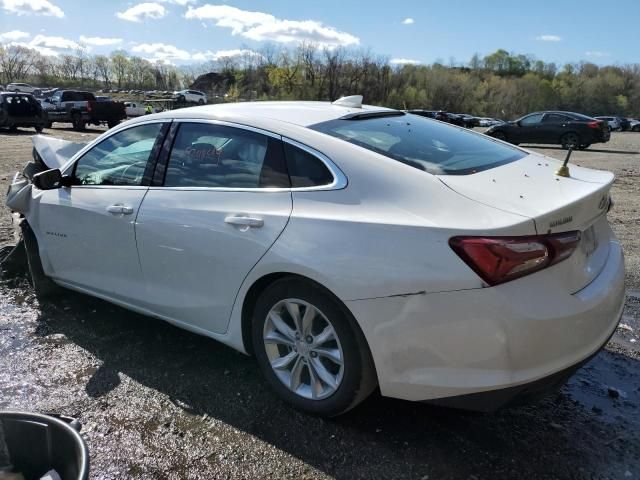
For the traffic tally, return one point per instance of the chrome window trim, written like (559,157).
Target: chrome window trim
(339,179)
(103,137)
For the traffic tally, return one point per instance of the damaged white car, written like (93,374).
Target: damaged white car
(345,246)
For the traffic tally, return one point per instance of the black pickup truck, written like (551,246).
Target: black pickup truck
(81,108)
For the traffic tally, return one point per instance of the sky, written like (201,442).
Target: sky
(406,31)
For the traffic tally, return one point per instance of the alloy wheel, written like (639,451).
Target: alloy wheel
(303,349)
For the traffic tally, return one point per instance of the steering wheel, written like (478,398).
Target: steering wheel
(123,174)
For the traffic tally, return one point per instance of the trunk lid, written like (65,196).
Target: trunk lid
(529,187)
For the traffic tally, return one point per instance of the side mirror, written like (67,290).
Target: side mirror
(50,180)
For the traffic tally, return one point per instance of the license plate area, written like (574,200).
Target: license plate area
(589,241)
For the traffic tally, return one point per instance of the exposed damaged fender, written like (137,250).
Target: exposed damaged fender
(19,194)
(55,152)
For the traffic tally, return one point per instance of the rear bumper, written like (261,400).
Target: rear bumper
(452,344)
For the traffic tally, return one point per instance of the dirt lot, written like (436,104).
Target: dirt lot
(157,402)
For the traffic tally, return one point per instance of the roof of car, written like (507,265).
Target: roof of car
(299,113)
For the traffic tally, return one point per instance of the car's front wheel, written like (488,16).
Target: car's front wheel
(570,140)
(310,349)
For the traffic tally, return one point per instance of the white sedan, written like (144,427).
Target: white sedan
(344,246)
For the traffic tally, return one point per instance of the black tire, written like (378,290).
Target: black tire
(636,128)
(13,128)
(201,101)
(49,125)
(359,377)
(570,139)
(113,123)
(77,122)
(584,146)
(499,135)
(39,129)
(182,99)
(43,286)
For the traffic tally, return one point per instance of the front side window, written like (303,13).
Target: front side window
(531,119)
(121,159)
(422,143)
(208,155)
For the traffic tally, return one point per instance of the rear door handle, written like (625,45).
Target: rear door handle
(120,209)
(251,222)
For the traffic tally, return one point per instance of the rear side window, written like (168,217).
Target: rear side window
(555,118)
(207,155)
(422,143)
(305,169)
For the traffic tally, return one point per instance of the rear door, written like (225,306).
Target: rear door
(529,129)
(553,126)
(214,211)
(86,231)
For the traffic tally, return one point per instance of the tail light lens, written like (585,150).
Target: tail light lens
(502,259)
(594,124)
(88,107)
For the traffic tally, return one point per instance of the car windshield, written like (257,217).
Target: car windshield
(422,143)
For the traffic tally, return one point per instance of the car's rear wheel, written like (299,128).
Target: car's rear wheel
(77,122)
(570,140)
(112,123)
(309,348)
(13,128)
(39,128)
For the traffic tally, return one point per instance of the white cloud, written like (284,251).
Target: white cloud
(59,43)
(141,11)
(549,38)
(220,54)
(100,41)
(32,7)
(596,53)
(13,35)
(162,51)
(408,21)
(404,61)
(266,27)
(50,46)
(182,3)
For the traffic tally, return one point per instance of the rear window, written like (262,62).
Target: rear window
(424,144)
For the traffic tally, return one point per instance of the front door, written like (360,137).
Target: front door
(224,201)
(86,231)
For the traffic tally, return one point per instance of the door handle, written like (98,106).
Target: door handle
(120,209)
(250,222)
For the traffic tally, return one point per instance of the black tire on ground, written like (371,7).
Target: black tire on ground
(13,128)
(636,128)
(48,125)
(113,123)
(77,122)
(359,378)
(570,139)
(43,286)
(584,146)
(201,101)
(499,135)
(39,128)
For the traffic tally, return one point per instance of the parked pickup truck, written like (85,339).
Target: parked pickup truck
(81,108)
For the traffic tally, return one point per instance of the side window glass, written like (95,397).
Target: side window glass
(121,159)
(554,118)
(531,119)
(206,155)
(305,169)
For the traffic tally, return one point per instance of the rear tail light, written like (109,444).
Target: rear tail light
(594,124)
(88,107)
(502,259)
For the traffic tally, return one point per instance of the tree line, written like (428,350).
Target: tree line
(502,84)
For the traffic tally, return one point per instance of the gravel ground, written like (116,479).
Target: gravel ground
(158,402)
